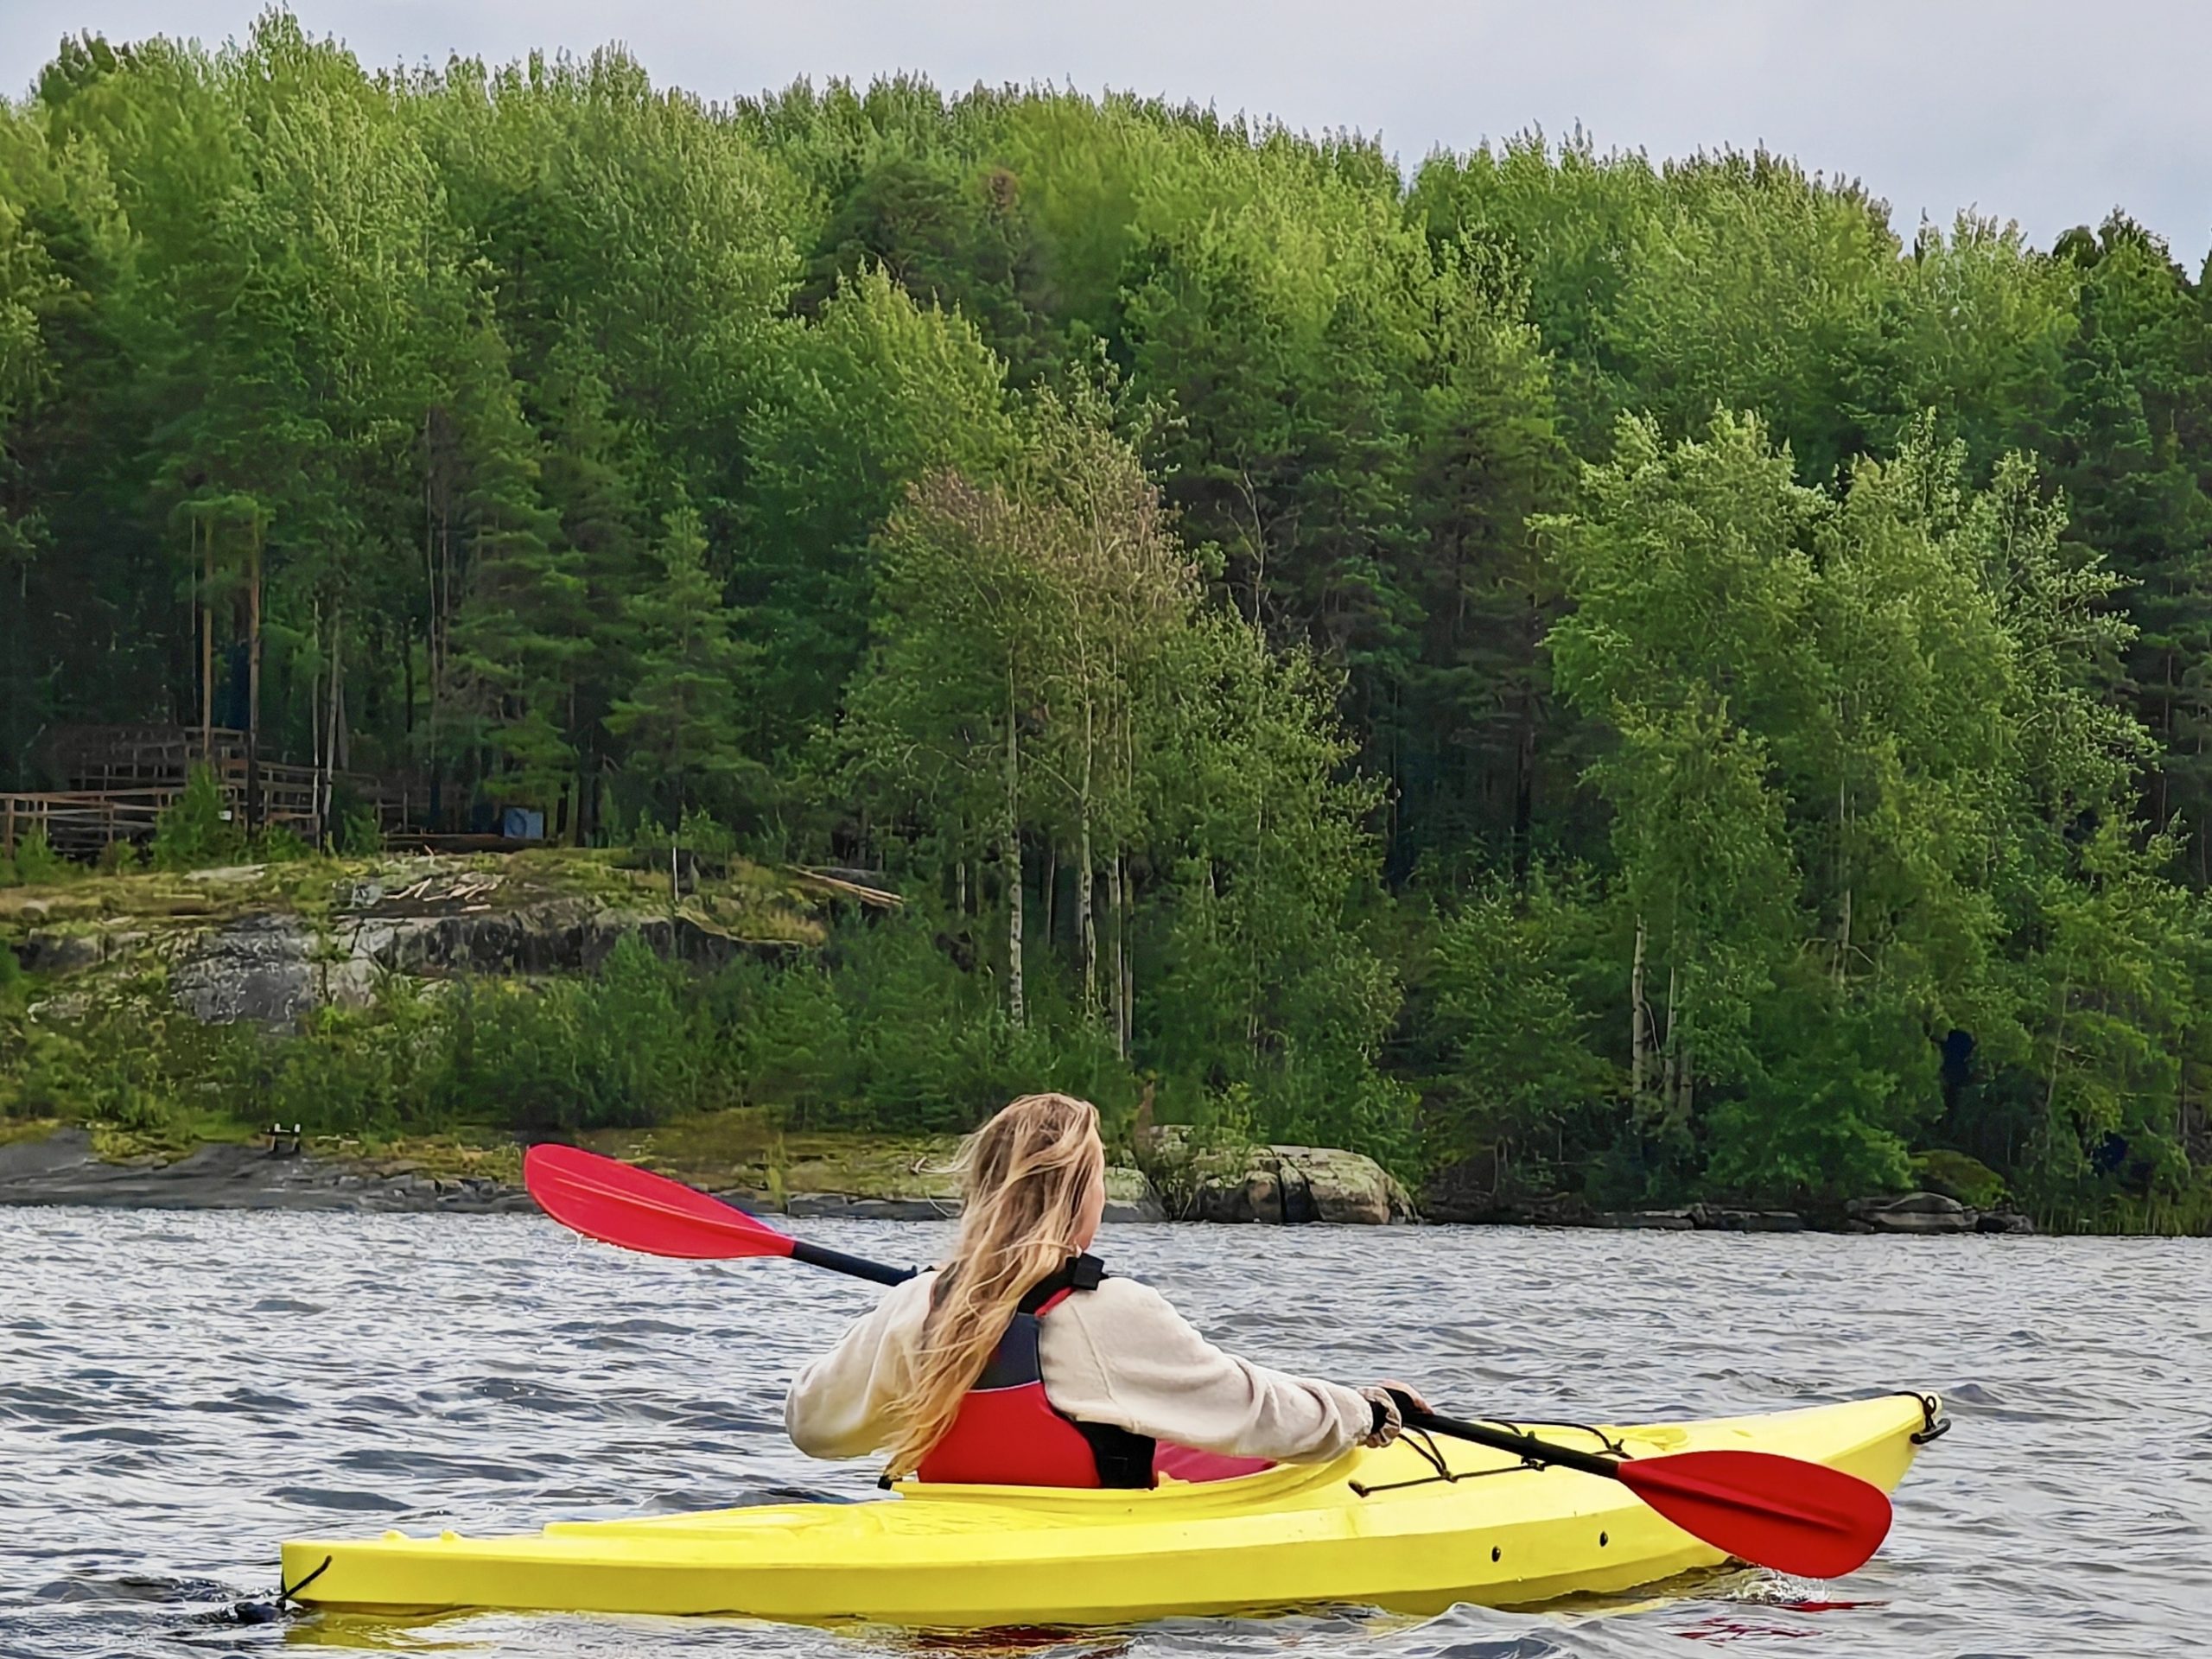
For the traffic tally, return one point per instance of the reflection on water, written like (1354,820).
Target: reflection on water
(178,1393)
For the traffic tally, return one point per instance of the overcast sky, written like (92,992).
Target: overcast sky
(2046,111)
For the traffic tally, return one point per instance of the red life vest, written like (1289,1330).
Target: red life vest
(1009,1433)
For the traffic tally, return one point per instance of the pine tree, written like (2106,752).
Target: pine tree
(1467,735)
(521,636)
(680,719)
(2132,502)
(589,482)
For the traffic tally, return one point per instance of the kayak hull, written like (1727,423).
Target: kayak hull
(1378,1529)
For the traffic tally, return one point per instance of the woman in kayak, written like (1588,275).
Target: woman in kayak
(1019,1362)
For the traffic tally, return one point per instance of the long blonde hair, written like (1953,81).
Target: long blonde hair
(1024,1177)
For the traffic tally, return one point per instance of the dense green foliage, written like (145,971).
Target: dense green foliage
(1628,678)
(639,1042)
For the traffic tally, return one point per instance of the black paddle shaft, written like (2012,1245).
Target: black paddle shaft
(1503,1439)
(859,1267)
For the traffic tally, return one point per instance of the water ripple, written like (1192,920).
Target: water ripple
(180,1392)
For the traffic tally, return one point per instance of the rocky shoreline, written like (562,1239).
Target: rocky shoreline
(1907,1213)
(64,1168)
(1266,1186)
(1914,1212)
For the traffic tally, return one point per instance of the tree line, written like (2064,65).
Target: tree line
(1627,680)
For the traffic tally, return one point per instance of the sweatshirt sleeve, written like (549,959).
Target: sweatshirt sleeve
(1129,1359)
(838,1406)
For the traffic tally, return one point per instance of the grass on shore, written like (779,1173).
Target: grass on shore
(733,1148)
(740,1146)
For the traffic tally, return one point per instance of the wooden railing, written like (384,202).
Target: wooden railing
(129,757)
(123,778)
(80,824)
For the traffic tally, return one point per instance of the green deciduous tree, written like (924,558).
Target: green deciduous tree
(824,477)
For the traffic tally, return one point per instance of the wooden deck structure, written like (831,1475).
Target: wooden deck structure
(121,777)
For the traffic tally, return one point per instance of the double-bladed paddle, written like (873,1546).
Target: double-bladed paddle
(1784,1513)
(619,1203)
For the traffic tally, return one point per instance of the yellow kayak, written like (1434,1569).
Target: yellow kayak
(1412,1527)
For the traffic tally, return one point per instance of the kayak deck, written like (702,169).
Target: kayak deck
(1380,1528)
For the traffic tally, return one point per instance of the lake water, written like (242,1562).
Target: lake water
(180,1392)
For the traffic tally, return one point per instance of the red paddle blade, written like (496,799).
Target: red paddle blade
(619,1203)
(1801,1518)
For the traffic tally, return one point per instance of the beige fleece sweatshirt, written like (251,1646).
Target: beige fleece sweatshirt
(1118,1355)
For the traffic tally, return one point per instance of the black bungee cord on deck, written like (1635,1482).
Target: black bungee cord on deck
(1422,1442)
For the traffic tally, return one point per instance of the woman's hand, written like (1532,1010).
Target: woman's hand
(1411,1394)
(1389,1421)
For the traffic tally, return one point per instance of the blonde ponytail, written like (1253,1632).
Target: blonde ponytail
(1024,1177)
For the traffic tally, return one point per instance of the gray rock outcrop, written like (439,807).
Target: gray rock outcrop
(272,969)
(259,970)
(1277,1183)
(1916,1212)
(1129,1196)
(51,951)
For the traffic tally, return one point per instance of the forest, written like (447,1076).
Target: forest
(1607,679)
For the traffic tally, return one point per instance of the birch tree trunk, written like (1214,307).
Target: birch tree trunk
(1842,878)
(1843,941)
(1124,986)
(1679,1066)
(207,641)
(342,756)
(1049,891)
(1638,1033)
(433,662)
(1086,919)
(314,709)
(1010,862)
(330,744)
(253,803)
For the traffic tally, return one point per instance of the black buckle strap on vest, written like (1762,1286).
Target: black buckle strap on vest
(1077,1273)
(1124,1460)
